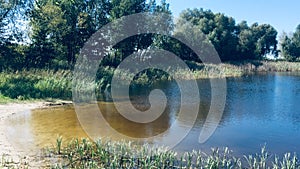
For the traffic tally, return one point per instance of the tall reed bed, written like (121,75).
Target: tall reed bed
(24,85)
(110,154)
(282,66)
(267,66)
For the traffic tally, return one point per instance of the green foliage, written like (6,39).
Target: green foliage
(11,54)
(290,46)
(4,99)
(126,7)
(54,87)
(232,42)
(36,84)
(12,57)
(60,28)
(10,12)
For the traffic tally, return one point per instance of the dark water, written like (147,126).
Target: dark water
(260,110)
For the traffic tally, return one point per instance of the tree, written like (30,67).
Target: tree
(265,40)
(246,42)
(10,12)
(61,27)
(141,41)
(218,28)
(7,9)
(290,46)
(223,37)
(257,41)
(48,25)
(233,42)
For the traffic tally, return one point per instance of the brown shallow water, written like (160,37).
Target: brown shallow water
(40,128)
(260,110)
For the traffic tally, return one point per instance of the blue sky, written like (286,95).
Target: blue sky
(284,15)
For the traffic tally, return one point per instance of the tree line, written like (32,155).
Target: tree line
(58,29)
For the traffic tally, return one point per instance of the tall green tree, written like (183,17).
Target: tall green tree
(141,41)
(233,41)
(60,28)
(246,42)
(290,46)
(257,41)
(8,11)
(11,11)
(266,43)
(48,27)
(218,28)
(128,46)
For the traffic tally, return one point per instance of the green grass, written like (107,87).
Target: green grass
(85,154)
(35,84)
(110,154)
(4,99)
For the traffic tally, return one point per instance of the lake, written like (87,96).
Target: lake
(261,109)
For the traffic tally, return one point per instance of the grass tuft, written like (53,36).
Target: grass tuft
(110,154)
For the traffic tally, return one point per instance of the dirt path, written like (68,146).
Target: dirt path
(9,155)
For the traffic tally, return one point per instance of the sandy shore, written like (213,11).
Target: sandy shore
(15,157)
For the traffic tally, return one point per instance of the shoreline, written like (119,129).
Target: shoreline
(12,156)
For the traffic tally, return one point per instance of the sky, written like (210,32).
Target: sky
(283,15)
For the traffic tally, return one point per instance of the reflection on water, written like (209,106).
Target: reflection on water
(132,129)
(260,109)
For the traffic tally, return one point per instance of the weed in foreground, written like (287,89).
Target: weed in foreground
(110,154)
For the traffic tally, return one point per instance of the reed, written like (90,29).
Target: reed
(104,153)
(110,154)
(35,84)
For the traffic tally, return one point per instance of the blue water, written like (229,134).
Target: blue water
(261,110)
